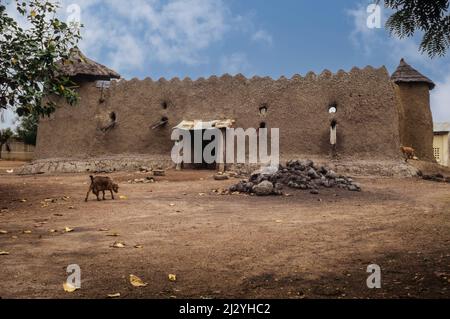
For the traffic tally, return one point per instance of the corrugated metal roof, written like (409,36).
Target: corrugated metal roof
(441,127)
(204,125)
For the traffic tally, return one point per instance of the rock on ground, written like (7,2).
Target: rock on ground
(265,188)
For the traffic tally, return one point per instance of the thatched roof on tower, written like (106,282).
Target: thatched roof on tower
(407,74)
(80,66)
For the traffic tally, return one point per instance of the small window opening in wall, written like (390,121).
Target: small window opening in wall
(263,109)
(437,154)
(263,125)
(112,124)
(333,138)
(332,109)
(333,124)
(162,123)
(165,105)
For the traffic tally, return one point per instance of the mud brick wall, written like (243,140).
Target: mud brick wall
(416,119)
(366,101)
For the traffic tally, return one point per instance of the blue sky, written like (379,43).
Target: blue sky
(199,38)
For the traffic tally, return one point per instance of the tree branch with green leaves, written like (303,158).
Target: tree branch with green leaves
(5,136)
(29,58)
(430,17)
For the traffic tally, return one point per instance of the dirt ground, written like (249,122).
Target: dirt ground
(9,165)
(222,246)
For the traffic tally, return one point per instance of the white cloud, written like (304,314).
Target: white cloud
(376,41)
(235,63)
(440,101)
(187,27)
(129,35)
(262,36)
(128,54)
(362,36)
(130,32)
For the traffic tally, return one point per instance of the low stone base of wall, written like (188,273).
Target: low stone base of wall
(388,168)
(368,168)
(96,165)
(354,168)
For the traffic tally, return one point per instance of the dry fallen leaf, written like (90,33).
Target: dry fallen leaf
(4,253)
(14,237)
(68,230)
(23,200)
(27,231)
(118,244)
(138,246)
(53,231)
(103,229)
(172,277)
(71,207)
(117,295)
(3,232)
(123,197)
(69,287)
(137,282)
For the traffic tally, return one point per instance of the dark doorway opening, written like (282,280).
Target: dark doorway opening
(204,165)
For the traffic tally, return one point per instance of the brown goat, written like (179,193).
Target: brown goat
(408,152)
(102,184)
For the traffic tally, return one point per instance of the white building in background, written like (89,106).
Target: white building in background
(441,143)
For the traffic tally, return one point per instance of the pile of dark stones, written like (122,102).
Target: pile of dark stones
(303,175)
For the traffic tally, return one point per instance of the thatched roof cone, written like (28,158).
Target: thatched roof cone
(407,74)
(80,66)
